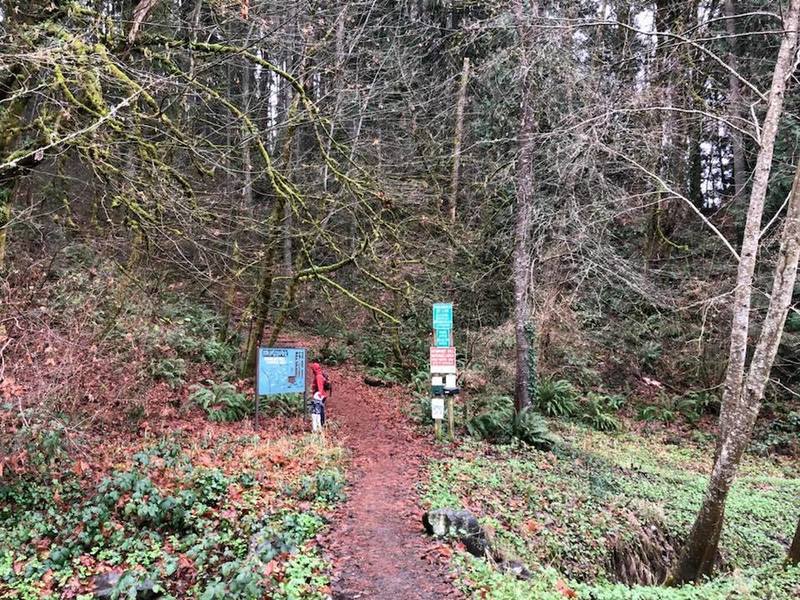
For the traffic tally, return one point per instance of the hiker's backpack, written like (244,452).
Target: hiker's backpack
(326,383)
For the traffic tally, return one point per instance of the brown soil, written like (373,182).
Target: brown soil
(377,544)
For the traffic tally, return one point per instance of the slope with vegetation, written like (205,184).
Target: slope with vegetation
(608,191)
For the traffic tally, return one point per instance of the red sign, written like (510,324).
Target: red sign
(443,360)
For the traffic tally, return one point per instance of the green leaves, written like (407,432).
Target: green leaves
(499,424)
(556,398)
(221,401)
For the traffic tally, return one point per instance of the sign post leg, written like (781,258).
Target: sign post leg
(437,428)
(451,418)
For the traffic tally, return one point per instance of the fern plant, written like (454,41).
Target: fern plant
(496,424)
(556,398)
(221,402)
(597,412)
(531,428)
(171,370)
(499,425)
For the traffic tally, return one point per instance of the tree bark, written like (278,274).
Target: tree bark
(459,133)
(735,103)
(697,557)
(744,279)
(793,558)
(10,125)
(524,209)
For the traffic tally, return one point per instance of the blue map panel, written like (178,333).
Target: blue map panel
(281,371)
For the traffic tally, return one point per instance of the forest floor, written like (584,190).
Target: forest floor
(377,544)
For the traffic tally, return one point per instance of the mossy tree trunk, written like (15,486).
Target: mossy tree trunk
(524,209)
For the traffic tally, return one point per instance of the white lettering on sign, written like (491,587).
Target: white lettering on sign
(274,360)
(437,408)
(443,360)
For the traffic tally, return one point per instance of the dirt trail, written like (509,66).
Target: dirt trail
(377,544)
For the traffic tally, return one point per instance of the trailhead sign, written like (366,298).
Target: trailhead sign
(443,360)
(442,324)
(281,371)
(443,315)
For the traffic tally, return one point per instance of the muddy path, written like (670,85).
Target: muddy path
(376,543)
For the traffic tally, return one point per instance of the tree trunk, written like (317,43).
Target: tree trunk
(735,103)
(793,558)
(524,210)
(744,279)
(6,191)
(10,121)
(264,294)
(341,21)
(697,557)
(459,133)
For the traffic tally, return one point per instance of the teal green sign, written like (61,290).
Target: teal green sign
(443,315)
(441,337)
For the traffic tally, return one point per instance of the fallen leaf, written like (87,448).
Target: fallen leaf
(565,590)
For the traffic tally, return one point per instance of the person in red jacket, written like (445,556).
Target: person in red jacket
(320,386)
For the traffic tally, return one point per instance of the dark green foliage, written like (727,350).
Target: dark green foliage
(193,332)
(373,353)
(793,322)
(170,370)
(387,374)
(129,518)
(286,405)
(495,423)
(333,354)
(780,436)
(598,410)
(326,486)
(532,429)
(499,424)
(556,398)
(691,406)
(221,401)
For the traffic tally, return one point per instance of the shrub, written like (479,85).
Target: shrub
(285,405)
(556,398)
(221,401)
(333,354)
(781,436)
(325,486)
(373,354)
(385,373)
(495,424)
(649,353)
(531,428)
(500,425)
(597,412)
(170,370)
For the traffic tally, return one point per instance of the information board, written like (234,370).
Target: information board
(443,315)
(443,360)
(281,371)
